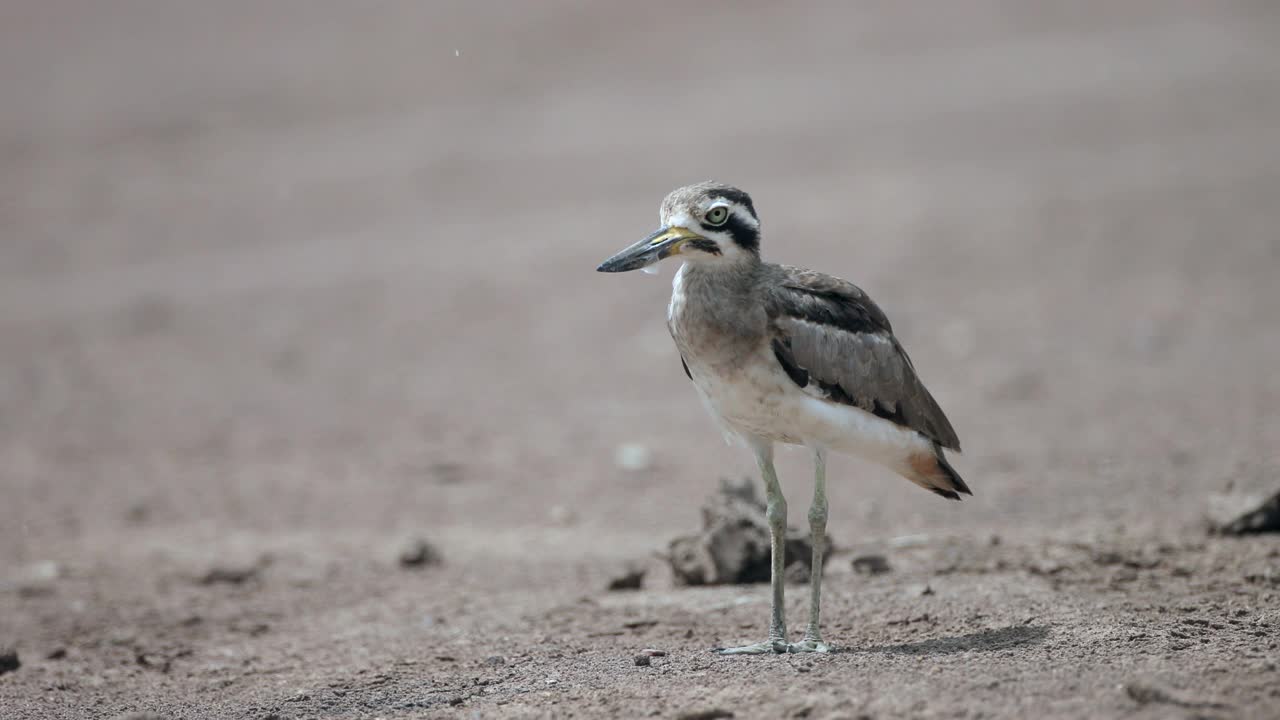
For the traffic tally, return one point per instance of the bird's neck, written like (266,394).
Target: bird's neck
(715,300)
(725,275)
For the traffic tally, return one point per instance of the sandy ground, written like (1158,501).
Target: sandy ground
(284,286)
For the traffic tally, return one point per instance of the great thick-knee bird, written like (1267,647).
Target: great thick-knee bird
(784,354)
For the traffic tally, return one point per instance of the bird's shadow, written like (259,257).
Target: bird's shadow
(984,641)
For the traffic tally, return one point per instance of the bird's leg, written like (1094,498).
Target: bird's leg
(818,536)
(776,514)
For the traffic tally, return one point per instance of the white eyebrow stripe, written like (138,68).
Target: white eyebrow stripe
(739,210)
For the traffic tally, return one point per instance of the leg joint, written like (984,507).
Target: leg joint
(818,514)
(776,512)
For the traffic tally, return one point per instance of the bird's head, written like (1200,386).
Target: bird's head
(705,223)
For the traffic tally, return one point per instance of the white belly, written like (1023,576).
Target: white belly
(759,400)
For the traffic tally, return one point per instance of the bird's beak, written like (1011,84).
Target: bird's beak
(661,244)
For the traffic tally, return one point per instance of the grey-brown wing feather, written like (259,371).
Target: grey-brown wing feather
(828,333)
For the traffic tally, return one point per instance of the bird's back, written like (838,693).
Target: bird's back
(831,337)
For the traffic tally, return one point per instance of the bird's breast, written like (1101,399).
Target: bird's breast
(715,328)
(723,342)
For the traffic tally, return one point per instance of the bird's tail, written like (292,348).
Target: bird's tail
(931,471)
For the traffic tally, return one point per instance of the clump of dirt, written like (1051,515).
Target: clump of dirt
(9,660)
(1149,694)
(1245,506)
(230,574)
(630,578)
(733,545)
(418,553)
(871,564)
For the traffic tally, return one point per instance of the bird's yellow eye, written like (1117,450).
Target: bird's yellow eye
(717,215)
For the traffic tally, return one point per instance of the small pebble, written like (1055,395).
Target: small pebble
(34,580)
(642,660)
(228,575)
(44,571)
(651,652)
(909,541)
(418,553)
(871,564)
(633,457)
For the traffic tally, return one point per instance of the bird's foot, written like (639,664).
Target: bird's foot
(809,645)
(775,645)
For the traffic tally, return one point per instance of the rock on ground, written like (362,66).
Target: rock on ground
(733,545)
(418,553)
(9,660)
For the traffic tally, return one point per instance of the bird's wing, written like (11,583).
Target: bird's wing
(829,335)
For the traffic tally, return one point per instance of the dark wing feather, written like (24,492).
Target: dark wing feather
(828,332)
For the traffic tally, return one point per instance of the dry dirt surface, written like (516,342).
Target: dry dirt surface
(286,287)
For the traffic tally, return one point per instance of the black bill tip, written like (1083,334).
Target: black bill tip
(622,263)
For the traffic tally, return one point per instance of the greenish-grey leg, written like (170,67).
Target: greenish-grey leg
(818,536)
(776,515)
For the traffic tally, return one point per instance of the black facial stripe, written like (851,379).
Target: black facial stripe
(744,235)
(706,246)
(735,195)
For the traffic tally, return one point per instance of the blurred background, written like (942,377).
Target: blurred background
(303,279)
